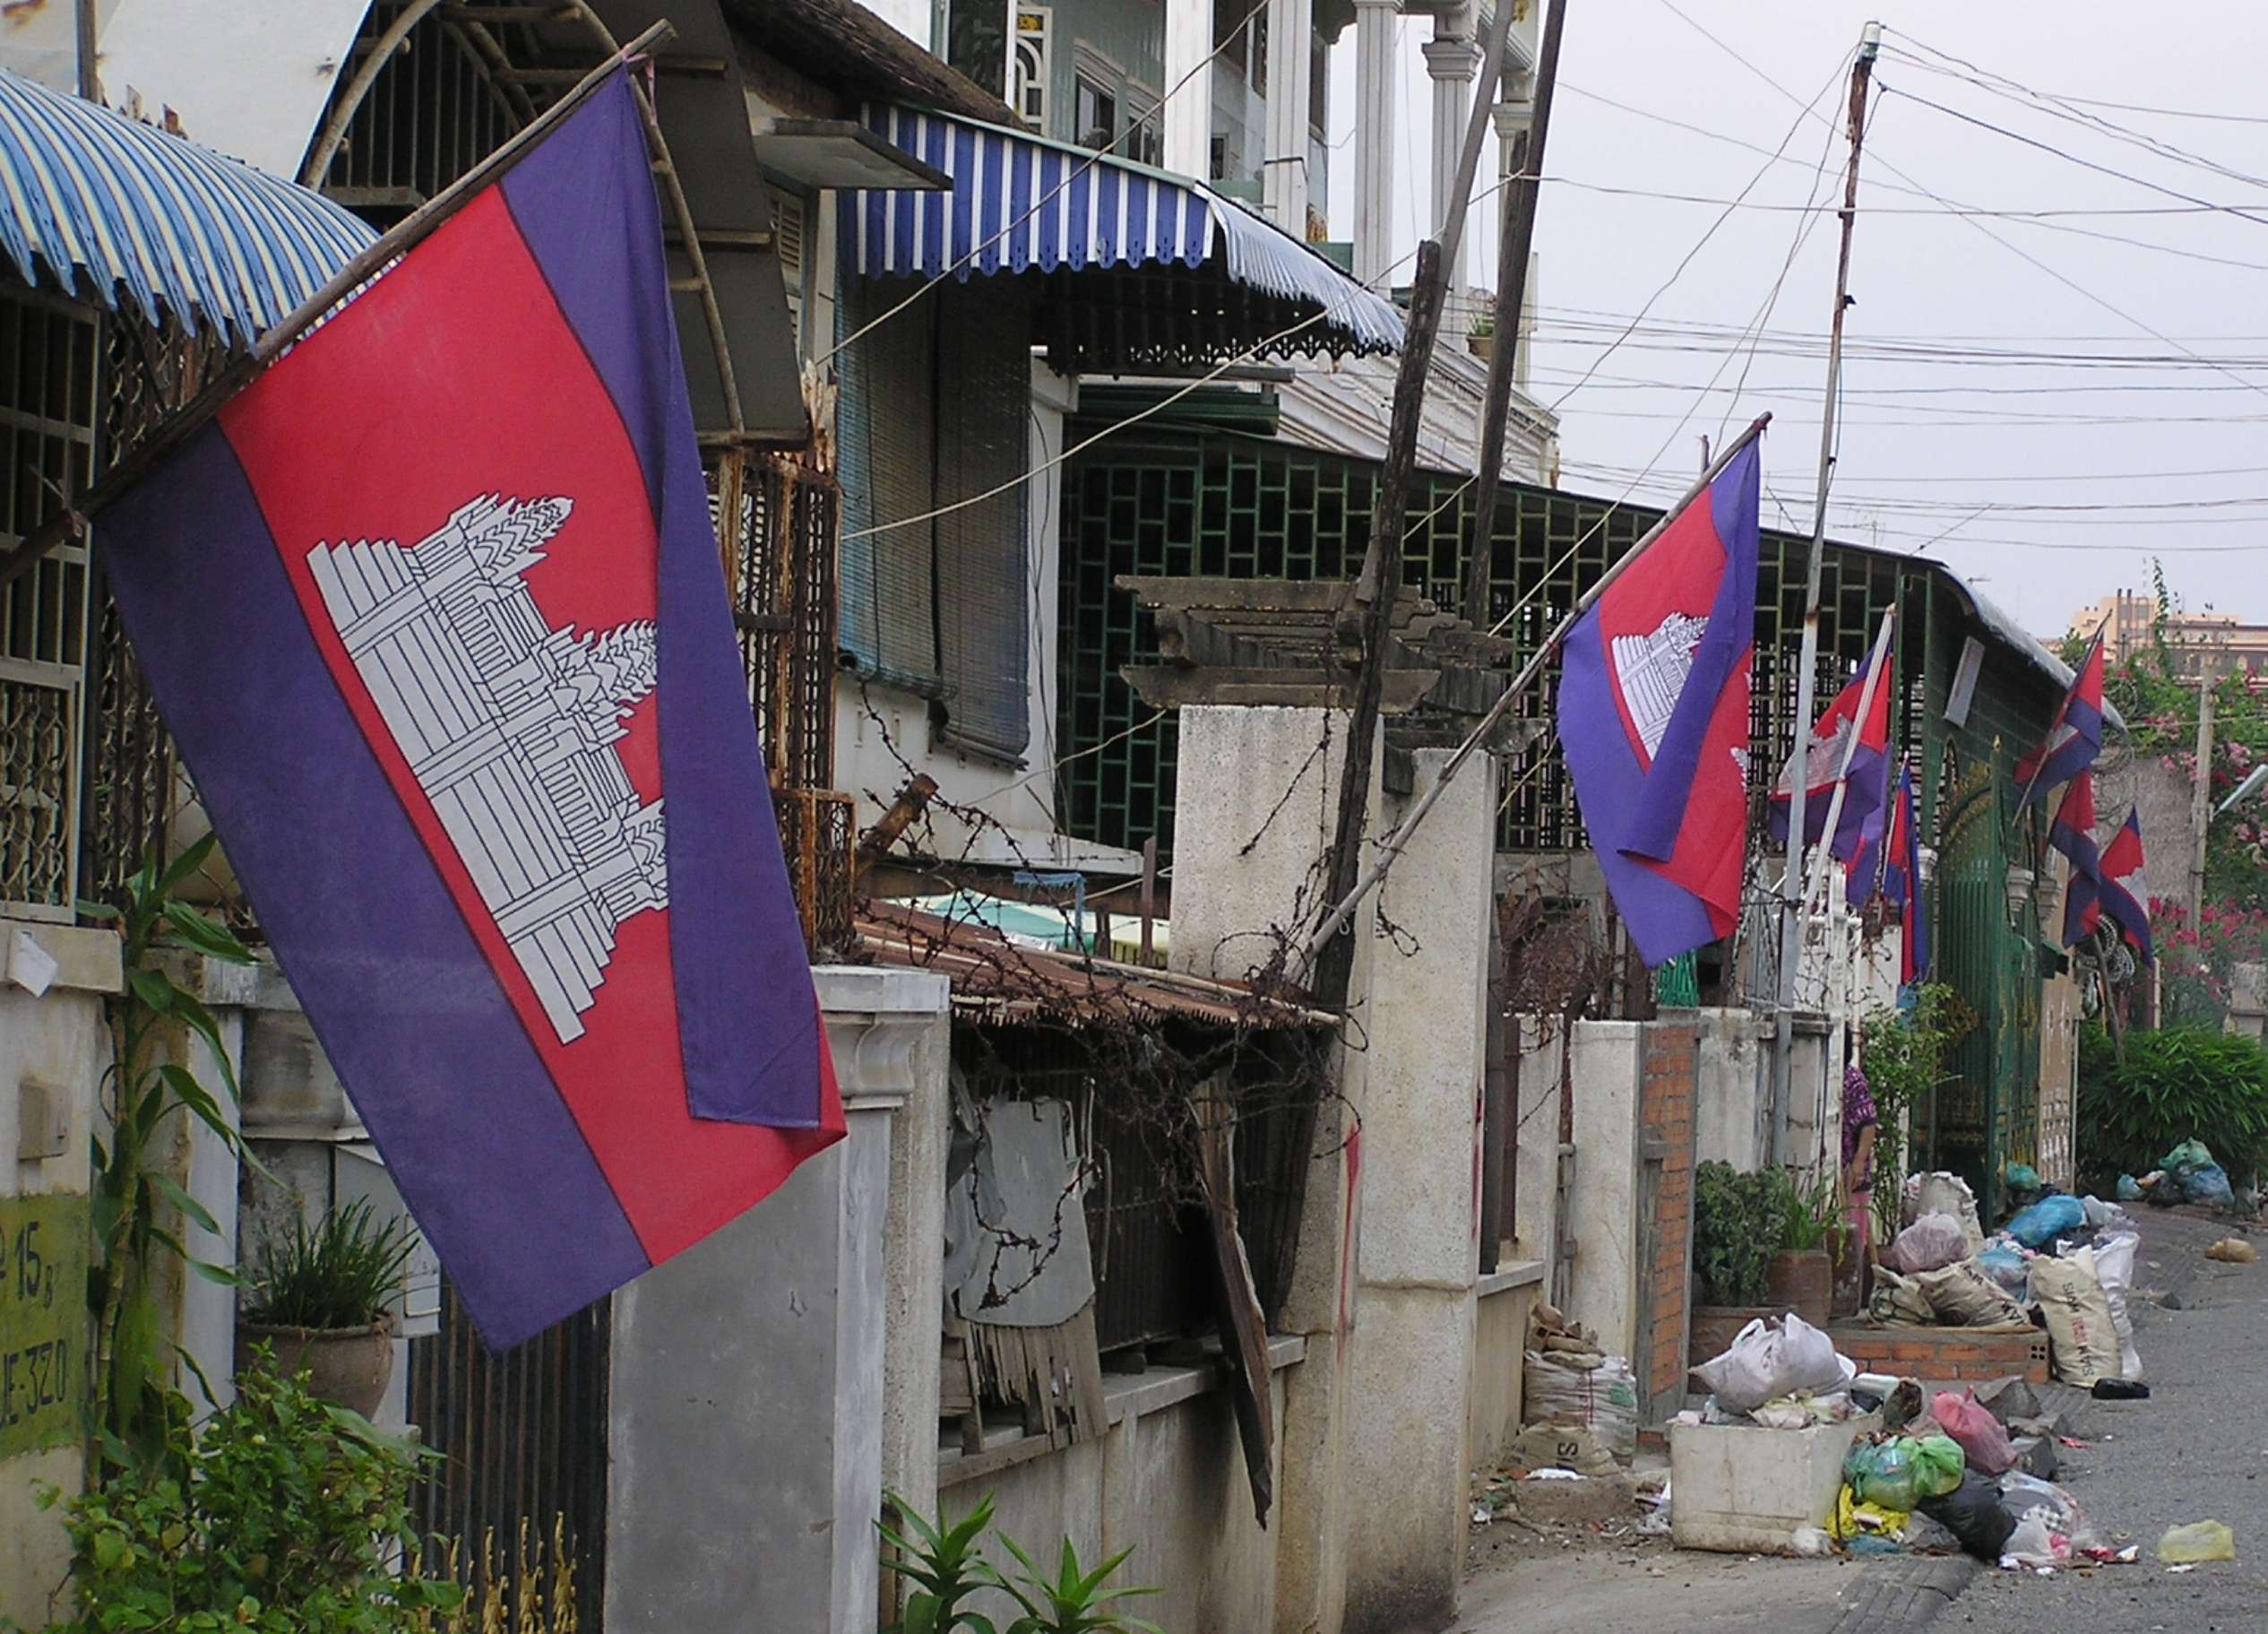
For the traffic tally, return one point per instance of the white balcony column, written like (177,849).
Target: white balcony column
(1283,180)
(1187,120)
(1452,57)
(1375,137)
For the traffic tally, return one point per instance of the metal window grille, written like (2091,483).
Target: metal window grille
(1185,503)
(1034,64)
(48,389)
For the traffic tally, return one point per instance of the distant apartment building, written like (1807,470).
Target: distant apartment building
(2127,619)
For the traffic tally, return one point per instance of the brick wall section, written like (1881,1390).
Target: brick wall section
(1944,1355)
(1665,1124)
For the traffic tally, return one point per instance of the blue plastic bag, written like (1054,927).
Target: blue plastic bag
(2129,1188)
(2209,1185)
(2040,1225)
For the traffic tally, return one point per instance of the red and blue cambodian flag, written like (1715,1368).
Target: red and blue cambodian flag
(1654,720)
(2073,832)
(1867,782)
(1885,866)
(2121,861)
(2075,739)
(436,613)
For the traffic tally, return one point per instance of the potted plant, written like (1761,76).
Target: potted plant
(323,1300)
(1734,1231)
(1799,1275)
(1482,341)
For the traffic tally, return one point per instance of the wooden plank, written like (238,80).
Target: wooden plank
(1244,1331)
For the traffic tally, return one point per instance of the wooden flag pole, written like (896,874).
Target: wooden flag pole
(1391,847)
(1821,873)
(247,366)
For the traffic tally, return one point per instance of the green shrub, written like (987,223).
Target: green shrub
(281,1516)
(344,1273)
(1738,1222)
(2171,1085)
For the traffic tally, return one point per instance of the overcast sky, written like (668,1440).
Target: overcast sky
(2175,453)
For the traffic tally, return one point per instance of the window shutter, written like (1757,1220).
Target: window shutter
(887,424)
(984,574)
(786,242)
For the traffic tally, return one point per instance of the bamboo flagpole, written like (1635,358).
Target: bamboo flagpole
(1391,847)
(391,247)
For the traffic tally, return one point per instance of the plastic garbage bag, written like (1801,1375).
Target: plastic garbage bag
(2050,1527)
(1965,1296)
(2115,1269)
(1931,1243)
(2129,1188)
(1925,1534)
(1769,1359)
(2103,1216)
(2022,1180)
(1942,1194)
(2187,1158)
(1883,1472)
(1981,1436)
(2083,1339)
(1939,1464)
(2048,1219)
(1853,1518)
(1974,1515)
(2005,1264)
(2200,1540)
(2209,1186)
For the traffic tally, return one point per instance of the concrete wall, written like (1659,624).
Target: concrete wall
(1499,1357)
(1665,1211)
(2162,795)
(1543,1062)
(1603,1286)
(1166,1482)
(53,1046)
(1729,1110)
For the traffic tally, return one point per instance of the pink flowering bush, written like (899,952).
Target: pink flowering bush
(2198,961)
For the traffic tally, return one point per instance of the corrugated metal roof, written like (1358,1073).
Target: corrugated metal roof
(1020,201)
(995,979)
(100,203)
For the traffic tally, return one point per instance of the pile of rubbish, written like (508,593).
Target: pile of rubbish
(1581,1404)
(2186,1174)
(2067,1261)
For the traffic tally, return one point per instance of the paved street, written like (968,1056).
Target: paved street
(2197,1450)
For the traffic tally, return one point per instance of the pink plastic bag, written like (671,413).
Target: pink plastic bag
(1971,1424)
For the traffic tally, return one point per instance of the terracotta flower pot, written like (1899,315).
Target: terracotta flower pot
(1802,1280)
(350,1366)
(1481,346)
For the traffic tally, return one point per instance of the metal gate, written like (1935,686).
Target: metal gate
(522,1440)
(1986,1115)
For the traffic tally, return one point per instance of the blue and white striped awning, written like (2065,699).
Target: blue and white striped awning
(98,202)
(1020,202)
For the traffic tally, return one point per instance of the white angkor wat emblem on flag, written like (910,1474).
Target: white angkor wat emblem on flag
(1651,671)
(510,727)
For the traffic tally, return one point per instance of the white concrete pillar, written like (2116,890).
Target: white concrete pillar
(1187,133)
(1426,1002)
(1452,57)
(1376,82)
(746,1446)
(1283,179)
(1254,798)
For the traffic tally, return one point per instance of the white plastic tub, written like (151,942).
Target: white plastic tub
(1740,1489)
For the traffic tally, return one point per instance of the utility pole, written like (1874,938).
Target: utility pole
(2201,790)
(89,71)
(1791,878)
(1519,235)
(1370,611)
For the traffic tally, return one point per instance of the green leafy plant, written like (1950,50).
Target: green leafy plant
(343,1273)
(1736,1230)
(1903,1056)
(1805,1211)
(148,1093)
(282,1516)
(1483,327)
(947,1564)
(1074,1601)
(2169,1087)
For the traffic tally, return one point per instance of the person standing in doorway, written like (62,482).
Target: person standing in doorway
(1861,1125)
